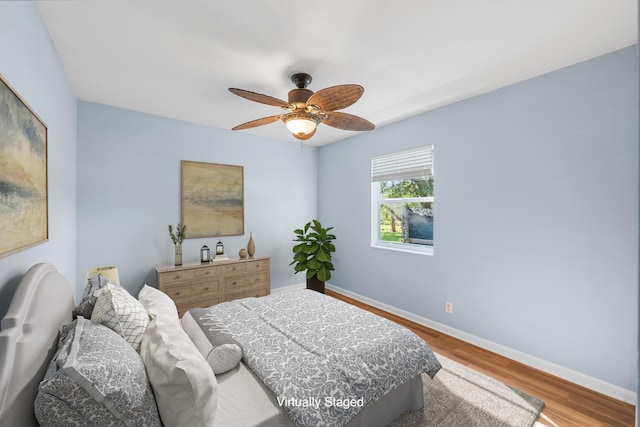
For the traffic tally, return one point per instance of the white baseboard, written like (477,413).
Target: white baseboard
(612,390)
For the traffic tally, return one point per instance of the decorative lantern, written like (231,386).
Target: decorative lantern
(219,248)
(205,254)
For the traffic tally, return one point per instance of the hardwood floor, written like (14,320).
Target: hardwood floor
(566,404)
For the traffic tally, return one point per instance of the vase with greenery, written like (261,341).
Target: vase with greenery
(313,252)
(177,237)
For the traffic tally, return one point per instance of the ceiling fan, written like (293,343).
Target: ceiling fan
(306,110)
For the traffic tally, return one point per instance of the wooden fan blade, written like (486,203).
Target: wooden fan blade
(263,99)
(258,122)
(346,121)
(336,97)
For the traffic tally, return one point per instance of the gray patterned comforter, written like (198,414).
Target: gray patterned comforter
(324,359)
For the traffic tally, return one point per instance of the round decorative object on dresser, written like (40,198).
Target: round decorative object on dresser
(251,246)
(242,253)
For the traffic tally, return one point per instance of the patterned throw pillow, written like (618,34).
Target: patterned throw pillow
(95,378)
(213,339)
(91,291)
(118,310)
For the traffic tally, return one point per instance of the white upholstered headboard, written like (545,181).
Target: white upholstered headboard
(42,304)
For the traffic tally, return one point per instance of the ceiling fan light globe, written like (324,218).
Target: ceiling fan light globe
(301,123)
(301,126)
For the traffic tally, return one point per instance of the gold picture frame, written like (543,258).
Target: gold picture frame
(24,210)
(212,199)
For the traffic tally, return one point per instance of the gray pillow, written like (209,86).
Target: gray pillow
(95,378)
(213,339)
(90,296)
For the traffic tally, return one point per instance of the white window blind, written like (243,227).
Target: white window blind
(410,164)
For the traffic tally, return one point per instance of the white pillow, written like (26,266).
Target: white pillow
(183,383)
(118,310)
(159,304)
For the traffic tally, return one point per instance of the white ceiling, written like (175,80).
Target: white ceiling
(176,58)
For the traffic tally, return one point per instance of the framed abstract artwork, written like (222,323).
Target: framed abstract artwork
(212,199)
(24,220)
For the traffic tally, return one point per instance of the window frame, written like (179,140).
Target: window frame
(377,201)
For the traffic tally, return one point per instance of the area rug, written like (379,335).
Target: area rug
(460,396)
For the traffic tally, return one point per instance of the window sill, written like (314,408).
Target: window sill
(428,250)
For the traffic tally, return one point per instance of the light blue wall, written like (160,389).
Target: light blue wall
(129,191)
(536,217)
(30,64)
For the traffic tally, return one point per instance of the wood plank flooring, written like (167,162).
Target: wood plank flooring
(566,404)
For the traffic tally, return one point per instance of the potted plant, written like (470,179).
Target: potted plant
(312,254)
(177,237)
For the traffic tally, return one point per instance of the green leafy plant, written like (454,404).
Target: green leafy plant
(313,252)
(177,236)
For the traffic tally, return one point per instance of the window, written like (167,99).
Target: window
(402,200)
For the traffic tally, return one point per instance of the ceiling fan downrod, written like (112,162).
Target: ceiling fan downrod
(301,80)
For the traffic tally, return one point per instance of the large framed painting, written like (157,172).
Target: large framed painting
(23,174)
(212,199)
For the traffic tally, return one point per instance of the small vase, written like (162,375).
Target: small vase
(251,247)
(178,249)
(242,253)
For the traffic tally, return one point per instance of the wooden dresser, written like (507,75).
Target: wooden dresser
(203,285)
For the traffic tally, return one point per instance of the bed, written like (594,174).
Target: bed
(43,305)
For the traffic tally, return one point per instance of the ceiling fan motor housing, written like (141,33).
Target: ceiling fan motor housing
(298,98)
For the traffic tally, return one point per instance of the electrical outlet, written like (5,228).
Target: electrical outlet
(448,307)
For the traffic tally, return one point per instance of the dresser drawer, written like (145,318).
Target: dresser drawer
(206,273)
(176,276)
(231,269)
(199,290)
(250,285)
(248,267)
(254,266)
(257,280)
(248,280)
(189,295)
